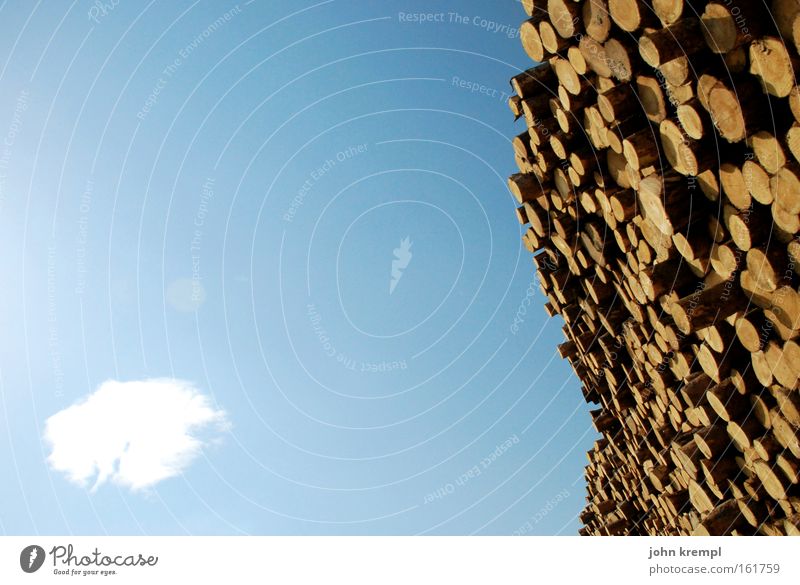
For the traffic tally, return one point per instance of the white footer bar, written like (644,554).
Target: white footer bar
(401,560)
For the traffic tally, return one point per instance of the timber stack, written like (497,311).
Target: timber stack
(659,190)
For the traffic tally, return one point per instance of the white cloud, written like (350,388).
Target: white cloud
(134,434)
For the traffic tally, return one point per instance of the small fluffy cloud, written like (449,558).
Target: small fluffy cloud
(134,434)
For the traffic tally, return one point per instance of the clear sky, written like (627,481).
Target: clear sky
(260,272)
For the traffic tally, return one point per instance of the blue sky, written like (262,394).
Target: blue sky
(218,194)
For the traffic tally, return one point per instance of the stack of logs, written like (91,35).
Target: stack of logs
(659,187)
